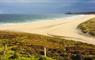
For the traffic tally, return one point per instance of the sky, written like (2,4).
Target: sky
(45,6)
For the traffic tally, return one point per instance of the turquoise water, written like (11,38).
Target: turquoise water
(17,18)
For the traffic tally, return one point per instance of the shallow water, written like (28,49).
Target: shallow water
(17,18)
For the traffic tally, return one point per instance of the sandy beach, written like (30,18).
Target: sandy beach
(59,26)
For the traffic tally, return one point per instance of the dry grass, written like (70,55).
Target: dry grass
(30,44)
(88,27)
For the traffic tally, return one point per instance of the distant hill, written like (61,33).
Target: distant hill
(80,13)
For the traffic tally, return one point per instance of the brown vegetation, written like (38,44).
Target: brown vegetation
(26,44)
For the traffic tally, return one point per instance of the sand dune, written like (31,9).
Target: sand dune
(59,26)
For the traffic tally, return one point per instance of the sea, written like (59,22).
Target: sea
(21,18)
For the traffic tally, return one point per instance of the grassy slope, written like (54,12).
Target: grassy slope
(26,45)
(88,27)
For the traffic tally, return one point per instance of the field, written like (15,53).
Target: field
(26,46)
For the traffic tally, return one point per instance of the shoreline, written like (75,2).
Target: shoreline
(65,26)
(36,20)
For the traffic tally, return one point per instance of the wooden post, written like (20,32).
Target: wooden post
(45,53)
(4,51)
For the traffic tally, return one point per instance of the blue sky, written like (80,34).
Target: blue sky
(45,6)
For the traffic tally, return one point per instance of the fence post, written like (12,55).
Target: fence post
(45,52)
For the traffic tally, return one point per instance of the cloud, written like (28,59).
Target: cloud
(38,1)
(22,1)
(91,1)
(1,11)
(45,6)
(35,6)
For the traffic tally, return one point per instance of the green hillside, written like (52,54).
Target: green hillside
(26,46)
(88,27)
